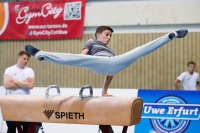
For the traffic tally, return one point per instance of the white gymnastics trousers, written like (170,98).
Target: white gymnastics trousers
(104,65)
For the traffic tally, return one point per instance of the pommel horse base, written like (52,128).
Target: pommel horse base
(102,111)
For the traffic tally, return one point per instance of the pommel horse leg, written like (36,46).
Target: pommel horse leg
(108,129)
(33,127)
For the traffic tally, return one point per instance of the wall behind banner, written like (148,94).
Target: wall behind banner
(156,70)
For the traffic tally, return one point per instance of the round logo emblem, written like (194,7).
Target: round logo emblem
(170,125)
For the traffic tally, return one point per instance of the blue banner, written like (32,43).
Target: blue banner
(169,111)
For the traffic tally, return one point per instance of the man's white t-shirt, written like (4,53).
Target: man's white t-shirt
(188,80)
(21,75)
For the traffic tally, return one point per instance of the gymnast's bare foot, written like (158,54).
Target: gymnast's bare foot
(106,95)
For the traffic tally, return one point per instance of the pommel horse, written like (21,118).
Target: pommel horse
(93,110)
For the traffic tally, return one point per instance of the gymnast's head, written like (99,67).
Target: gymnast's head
(103,34)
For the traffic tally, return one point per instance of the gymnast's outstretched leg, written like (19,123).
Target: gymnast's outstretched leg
(95,63)
(122,61)
(104,65)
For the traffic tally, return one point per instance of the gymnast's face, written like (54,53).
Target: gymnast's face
(22,60)
(191,68)
(104,37)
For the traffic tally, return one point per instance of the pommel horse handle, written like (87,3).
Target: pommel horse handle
(47,91)
(81,97)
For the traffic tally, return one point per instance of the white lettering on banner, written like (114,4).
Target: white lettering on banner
(171,111)
(43,32)
(48,26)
(52,32)
(29,15)
(42,26)
(53,26)
(148,109)
(64,25)
(33,26)
(57,32)
(182,111)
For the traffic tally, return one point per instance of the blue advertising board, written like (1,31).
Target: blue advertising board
(169,111)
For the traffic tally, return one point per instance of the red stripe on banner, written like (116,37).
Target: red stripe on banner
(42,20)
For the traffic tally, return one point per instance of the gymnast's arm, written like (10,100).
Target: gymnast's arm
(106,84)
(27,84)
(9,84)
(85,51)
(176,84)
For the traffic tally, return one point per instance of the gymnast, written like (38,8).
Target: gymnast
(103,59)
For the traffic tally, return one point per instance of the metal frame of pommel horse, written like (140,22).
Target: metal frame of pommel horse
(84,109)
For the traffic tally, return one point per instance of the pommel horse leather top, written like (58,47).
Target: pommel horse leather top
(122,111)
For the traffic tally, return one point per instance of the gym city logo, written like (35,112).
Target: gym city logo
(171,114)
